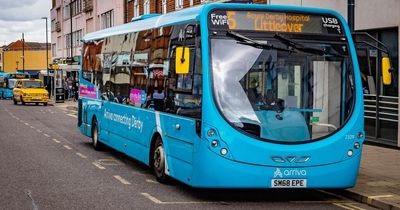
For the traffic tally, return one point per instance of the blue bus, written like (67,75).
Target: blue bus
(7,83)
(228,95)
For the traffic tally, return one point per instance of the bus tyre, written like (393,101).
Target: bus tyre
(158,161)
(95,136)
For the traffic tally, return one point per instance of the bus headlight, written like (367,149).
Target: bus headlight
(356,145)
(211,132)
(360,135)
(214,143)
(350,153)
(224,151)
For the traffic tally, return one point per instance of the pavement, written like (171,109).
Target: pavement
(378,184)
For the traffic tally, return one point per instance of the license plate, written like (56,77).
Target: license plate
(289,183)
(36,98)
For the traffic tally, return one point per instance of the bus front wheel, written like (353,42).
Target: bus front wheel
(95,136)
(158,161)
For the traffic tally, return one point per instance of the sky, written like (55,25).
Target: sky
(24,16)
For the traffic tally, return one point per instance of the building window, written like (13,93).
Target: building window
(107,19)
(178,4)
(53,50)
(76,7)
(191,3)
(164,6)
(136,8)
(53,25)
(146,7)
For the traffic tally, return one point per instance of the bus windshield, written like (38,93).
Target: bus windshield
(282,93)
(11,83)
(32,84)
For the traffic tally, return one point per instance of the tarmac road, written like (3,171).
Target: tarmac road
(45,163)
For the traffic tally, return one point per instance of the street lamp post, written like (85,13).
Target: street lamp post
(47,57)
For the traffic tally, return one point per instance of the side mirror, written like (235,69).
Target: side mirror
(182,60)
(386,71)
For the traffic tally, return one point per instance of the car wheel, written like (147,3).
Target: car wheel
(97,145)
(158,161)
(15,101)
(45,104)
(36,104)
(22,101)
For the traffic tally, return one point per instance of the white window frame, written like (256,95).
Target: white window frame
(191,3)
(136,9)
(164,6)
(146,7)
(178,4)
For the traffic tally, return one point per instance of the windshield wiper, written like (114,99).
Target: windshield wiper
(248,41)
(302,48)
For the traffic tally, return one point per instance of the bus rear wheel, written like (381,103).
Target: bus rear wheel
(158,161)
(95,136)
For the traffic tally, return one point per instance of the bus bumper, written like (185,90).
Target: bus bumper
(213,171)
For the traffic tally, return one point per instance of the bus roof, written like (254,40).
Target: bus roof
(188,15)
(185,15)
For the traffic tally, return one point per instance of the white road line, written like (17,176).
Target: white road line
(151,181)
(98,166)
(67,147)
(32,127)
(55,140)
(47,135)
(122,180)
(39,131)
(71,115)
(157,201)
(80,155)
(17,118)
(26,124)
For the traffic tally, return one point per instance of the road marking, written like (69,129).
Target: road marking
(80,155)
(29,193)
(151,181)
(98,166)
(109,162)
(157,201)
(26,124)
(122,180)
(348,206)
(67,147)
(47,135)
(17,118)
(32,127)
(55,140)
(39,131)
(371,198)
(71,115)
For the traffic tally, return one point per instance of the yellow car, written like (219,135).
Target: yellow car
(30,91)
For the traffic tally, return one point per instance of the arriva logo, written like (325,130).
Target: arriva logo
(289,172)
(278,173)
(295,172)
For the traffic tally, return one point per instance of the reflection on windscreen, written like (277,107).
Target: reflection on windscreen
(32,84)
(282,96)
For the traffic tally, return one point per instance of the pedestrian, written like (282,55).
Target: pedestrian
(76,89)
(65,86)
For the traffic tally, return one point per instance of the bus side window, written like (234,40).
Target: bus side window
(186,89)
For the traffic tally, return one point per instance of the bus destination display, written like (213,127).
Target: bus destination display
(274,22)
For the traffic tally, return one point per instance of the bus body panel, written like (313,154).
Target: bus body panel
(193,160)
